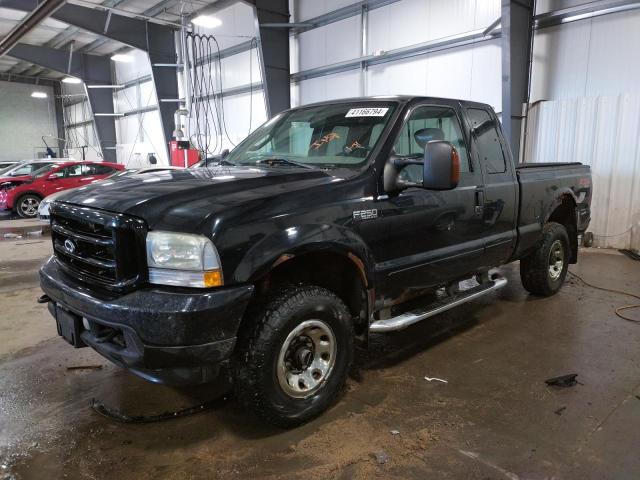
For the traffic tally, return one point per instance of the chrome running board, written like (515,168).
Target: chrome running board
(496,282)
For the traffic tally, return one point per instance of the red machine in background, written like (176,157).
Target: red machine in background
(182,155)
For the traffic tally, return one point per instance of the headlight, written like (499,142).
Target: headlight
(183,259)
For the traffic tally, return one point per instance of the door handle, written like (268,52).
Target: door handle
(479,210)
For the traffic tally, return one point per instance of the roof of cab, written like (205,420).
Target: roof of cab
(402,99)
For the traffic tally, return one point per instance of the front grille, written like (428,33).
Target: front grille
(99,247)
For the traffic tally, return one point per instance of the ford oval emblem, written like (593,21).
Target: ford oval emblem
(69,246)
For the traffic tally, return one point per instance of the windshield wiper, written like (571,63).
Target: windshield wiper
(221,163)
(283,161)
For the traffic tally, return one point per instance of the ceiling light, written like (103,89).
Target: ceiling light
(207,21)
(71,80)
(119,57)
(39,95)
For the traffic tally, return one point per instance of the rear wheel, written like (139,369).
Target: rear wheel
(27,205)
(543,272)
(291,364)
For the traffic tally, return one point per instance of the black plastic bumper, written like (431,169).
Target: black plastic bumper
(163,335)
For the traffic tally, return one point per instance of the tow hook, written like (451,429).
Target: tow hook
(44,299)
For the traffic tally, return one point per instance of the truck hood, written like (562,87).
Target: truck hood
(183,199)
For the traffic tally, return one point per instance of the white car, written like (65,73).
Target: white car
(43,208)
(27,167)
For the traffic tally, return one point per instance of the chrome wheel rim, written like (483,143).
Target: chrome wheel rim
(29,206)
(306,358)
(556,260)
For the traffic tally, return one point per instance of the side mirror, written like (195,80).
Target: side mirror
(55,176)
(441,166)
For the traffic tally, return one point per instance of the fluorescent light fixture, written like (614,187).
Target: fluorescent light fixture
(206,21)
(39,95)
(71,80)
(121,57)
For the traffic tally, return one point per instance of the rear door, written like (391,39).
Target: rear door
(92,172)
(497,199)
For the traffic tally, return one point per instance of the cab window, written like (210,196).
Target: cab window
(485,133)
(424,125)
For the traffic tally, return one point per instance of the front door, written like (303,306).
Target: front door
(63,179)
(423,238)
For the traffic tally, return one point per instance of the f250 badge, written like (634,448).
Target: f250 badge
(365,214)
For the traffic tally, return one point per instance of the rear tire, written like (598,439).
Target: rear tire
(292,362)
(543,272)
(27,205)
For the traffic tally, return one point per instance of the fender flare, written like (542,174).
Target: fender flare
(558,200)
(293,242)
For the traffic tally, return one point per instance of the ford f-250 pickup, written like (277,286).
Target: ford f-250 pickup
(327,223)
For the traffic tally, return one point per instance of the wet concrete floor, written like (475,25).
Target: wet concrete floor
(494,419)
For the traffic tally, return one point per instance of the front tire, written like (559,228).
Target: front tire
(27,205)
(292,362)
(543,271)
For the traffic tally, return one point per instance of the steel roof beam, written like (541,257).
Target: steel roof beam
(127,30)
(36,15)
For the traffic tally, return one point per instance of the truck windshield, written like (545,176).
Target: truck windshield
(340,135)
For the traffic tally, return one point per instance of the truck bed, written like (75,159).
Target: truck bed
(520,166)
(542,186)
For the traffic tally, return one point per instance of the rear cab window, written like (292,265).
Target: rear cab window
(485,132)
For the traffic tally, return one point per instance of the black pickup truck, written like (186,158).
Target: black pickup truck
(329,222)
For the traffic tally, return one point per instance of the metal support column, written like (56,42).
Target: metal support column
(517,28)
(59,111)
(93,70)
(162,51)
(274,52)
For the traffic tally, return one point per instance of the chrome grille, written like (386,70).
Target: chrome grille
(99,247)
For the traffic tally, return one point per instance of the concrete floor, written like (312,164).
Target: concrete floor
(494,419)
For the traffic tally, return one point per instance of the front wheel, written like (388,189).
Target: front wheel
(543,271)
(293,360)
(27,205)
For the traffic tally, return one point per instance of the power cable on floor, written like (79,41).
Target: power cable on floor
(114,414)
(613,290)
(615,234)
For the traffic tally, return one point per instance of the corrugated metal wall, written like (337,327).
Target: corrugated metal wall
(585,74)
(602,132)
(469,72)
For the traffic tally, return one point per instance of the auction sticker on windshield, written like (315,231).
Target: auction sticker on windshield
(367,112)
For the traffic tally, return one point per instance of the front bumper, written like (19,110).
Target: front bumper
(165,335)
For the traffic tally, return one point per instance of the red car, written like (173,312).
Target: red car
(25,197)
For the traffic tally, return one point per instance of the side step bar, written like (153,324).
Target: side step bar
(409,318)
